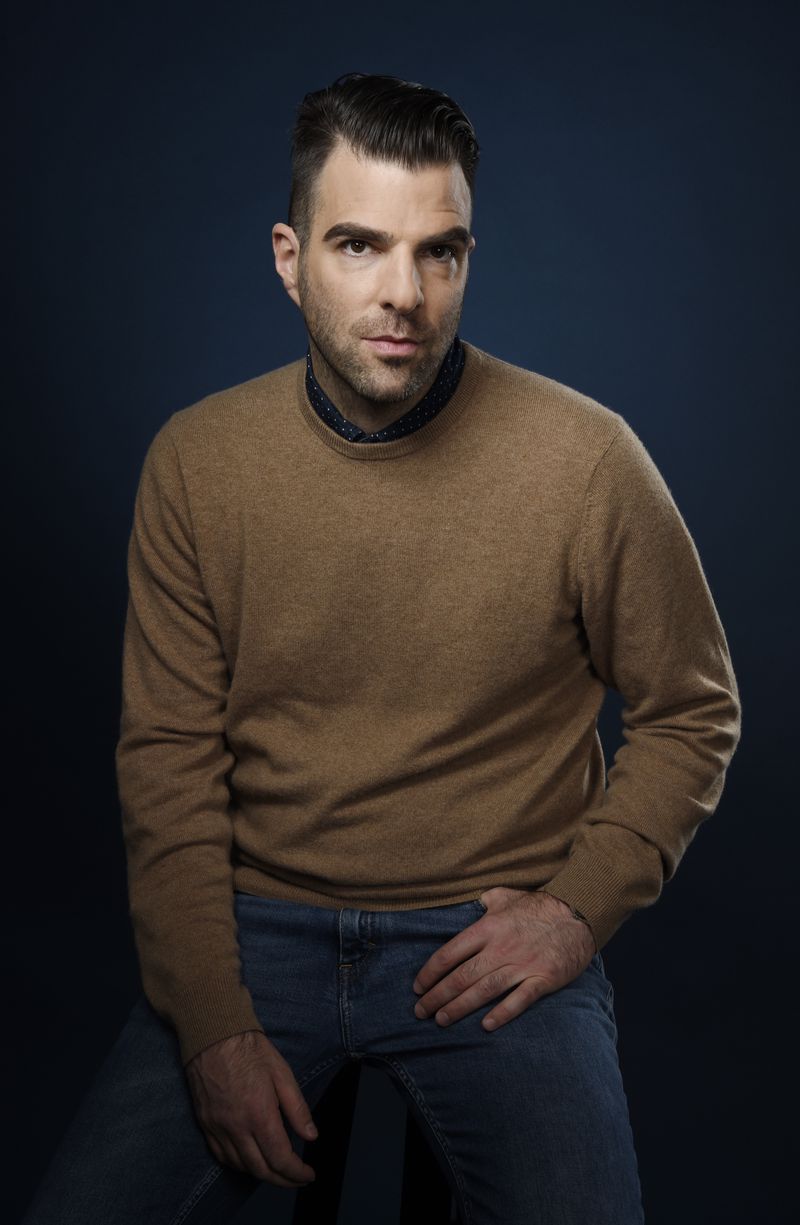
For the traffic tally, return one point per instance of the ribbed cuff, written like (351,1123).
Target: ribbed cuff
(590,885)
(210,1010)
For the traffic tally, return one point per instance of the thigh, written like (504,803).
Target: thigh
(529,1122)
(134,1153)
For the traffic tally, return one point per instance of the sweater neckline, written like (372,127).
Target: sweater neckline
(397,447)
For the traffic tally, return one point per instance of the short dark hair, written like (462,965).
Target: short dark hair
(381,117)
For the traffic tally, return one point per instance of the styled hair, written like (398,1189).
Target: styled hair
(380,117)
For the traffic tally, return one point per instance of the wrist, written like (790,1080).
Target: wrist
(581,918)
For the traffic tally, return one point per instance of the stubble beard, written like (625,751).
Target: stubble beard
(343,352)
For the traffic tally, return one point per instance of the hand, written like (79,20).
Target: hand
(528,938)
(238,1086)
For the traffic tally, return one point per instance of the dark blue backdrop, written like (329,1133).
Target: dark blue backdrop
(636,218)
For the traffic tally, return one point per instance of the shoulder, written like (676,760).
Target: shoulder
(220,434)
(235,413)
(554,410)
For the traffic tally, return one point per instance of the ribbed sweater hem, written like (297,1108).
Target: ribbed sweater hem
(250,880)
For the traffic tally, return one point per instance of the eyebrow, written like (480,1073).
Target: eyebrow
(352,229)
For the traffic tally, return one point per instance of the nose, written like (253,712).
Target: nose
(401,285)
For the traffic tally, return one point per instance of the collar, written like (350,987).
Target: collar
(431,403)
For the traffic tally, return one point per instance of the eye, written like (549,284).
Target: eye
(354,246)
(442,253)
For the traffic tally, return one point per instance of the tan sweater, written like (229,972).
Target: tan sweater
(368,675)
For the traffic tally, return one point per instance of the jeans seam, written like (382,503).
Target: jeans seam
(210,1177)
(315,1071)
(214,1172)
(412,1088)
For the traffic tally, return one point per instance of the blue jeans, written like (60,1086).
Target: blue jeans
(529,1123)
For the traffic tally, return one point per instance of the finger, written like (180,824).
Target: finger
(464,945)
(216,1148)
(228,1153)
(451,1000)
(477,974)
(276,1149)
(527,993)
(293,1104)
(260,1167)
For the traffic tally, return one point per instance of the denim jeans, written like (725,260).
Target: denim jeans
(529,1123)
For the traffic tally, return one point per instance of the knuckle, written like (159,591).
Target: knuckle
(457,981)
(492,985)
(463,977)
(277,1148)
(283,1075)
(297,1105)
(486,988)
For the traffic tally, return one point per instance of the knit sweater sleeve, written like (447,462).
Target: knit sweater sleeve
(653,635)
(172,762)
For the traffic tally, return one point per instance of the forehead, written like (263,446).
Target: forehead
(387,196)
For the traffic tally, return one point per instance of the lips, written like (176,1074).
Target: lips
(394,345)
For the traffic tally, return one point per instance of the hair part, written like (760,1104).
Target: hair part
(380,117)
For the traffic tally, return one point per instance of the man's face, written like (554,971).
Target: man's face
(380,278)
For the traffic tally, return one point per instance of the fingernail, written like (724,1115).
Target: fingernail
(312,1131)
(417,989)
(420,1012)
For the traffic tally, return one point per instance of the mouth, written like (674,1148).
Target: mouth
(394,346)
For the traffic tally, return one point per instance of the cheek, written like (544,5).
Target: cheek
(445,296)
(352,294)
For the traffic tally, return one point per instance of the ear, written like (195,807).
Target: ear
(286,246)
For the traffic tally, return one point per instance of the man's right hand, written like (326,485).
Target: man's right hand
(239,1086)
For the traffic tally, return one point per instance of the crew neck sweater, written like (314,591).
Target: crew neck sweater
(369,676)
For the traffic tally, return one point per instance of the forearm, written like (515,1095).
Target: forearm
(172,767)
(654,634)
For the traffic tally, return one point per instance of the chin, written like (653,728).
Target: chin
(390,395)
(385,390)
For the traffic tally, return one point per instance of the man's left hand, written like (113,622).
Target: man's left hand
(530,939)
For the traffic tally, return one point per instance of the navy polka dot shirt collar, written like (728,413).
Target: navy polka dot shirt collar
(431,403)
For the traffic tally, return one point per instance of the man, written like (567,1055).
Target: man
(376,599)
